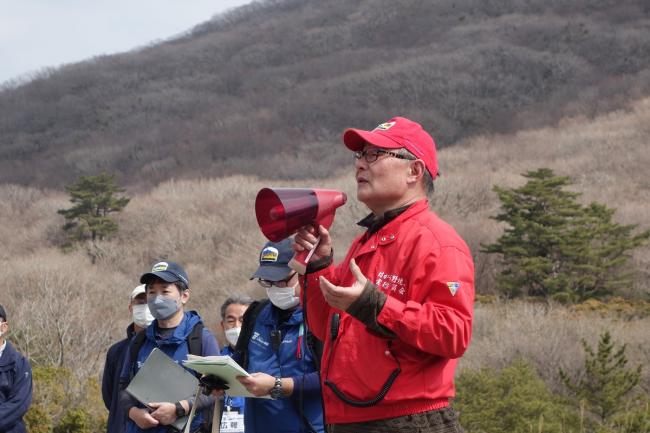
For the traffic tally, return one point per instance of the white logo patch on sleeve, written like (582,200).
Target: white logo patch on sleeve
(453,287)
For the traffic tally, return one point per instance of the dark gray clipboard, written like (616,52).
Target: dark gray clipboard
(160,379)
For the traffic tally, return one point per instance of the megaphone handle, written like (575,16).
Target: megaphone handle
(299,261)
(311,252)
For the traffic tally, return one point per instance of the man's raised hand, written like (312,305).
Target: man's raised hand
(306,238)
(342,297)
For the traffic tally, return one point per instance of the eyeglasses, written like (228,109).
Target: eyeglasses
(268,283)
(371,155)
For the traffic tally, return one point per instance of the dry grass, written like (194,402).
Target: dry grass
(549,337)
(209,226)
(606,157)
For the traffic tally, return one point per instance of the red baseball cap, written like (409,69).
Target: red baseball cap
(398,132)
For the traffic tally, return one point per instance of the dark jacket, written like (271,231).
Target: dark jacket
(15,390)
(111,383)
(176,348)
(287,357)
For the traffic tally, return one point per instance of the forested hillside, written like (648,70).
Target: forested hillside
(208,225)
(266,89)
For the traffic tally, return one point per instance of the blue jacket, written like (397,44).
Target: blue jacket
(176,348)
(290,359)
(111,383)
(235,403)
(15,390)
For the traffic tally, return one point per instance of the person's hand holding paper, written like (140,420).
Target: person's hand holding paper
(224,368)
(260,384)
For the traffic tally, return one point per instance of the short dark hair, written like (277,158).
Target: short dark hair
(429,188)
(180,285)
(3,313)
(237,298)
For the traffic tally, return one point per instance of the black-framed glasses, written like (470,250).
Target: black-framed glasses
(371,155)
(282,283)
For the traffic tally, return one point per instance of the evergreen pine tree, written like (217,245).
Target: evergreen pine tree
(94,198)
(555,247)
(605,380)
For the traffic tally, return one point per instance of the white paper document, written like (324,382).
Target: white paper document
(224,367)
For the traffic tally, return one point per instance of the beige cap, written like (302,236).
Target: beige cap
(138,290)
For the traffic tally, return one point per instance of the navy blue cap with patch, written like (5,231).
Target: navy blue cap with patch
(166,271)
(274,260)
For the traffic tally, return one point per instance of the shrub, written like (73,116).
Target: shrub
(50,396)
(512,400)
(37,419)
(635,419)
(75,420)
(615,307)
(605,381)
(62,404)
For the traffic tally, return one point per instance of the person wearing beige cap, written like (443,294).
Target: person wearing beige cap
(142,318)
(397,313)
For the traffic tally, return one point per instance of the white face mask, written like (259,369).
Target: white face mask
(283,297)
(141,315)
(232,335)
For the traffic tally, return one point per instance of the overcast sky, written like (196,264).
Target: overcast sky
(39,33)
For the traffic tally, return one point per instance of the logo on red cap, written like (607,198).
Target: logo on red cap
(384,126)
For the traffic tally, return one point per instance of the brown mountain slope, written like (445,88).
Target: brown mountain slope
(280,79)
(209,226)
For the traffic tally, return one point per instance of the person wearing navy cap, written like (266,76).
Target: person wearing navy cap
(397,313)
(281,357)
(168,291)
(15,382)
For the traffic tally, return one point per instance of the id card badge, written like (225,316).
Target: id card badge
(232,421)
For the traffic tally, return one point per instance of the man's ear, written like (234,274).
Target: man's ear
(185,296)
(416,170)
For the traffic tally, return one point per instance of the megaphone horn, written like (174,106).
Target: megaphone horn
(281,212)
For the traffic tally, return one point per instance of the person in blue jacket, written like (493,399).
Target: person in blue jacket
(232,317)
(15,383)
(167,288)
(280,363)
(115,359)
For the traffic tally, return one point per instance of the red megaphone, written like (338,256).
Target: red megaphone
(282,211)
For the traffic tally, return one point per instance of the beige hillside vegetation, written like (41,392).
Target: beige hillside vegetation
(209,226)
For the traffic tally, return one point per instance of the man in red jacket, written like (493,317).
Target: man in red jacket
(396,314)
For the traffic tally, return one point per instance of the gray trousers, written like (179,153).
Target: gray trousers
(436,421)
